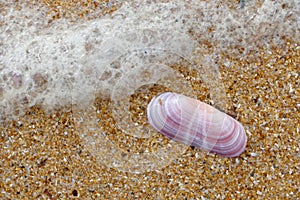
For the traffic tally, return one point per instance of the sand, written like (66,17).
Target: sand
(43,155)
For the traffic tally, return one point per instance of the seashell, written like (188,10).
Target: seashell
(195,123)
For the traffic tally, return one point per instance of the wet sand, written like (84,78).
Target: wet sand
(44,157)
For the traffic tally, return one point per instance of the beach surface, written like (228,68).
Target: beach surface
(57,154)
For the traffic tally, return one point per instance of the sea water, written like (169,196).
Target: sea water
(62,62)
(55,64)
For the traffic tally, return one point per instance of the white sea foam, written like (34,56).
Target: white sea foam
(66,63)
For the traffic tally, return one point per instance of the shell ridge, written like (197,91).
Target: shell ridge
(188,121)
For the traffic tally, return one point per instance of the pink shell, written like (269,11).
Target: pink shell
(195,123)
